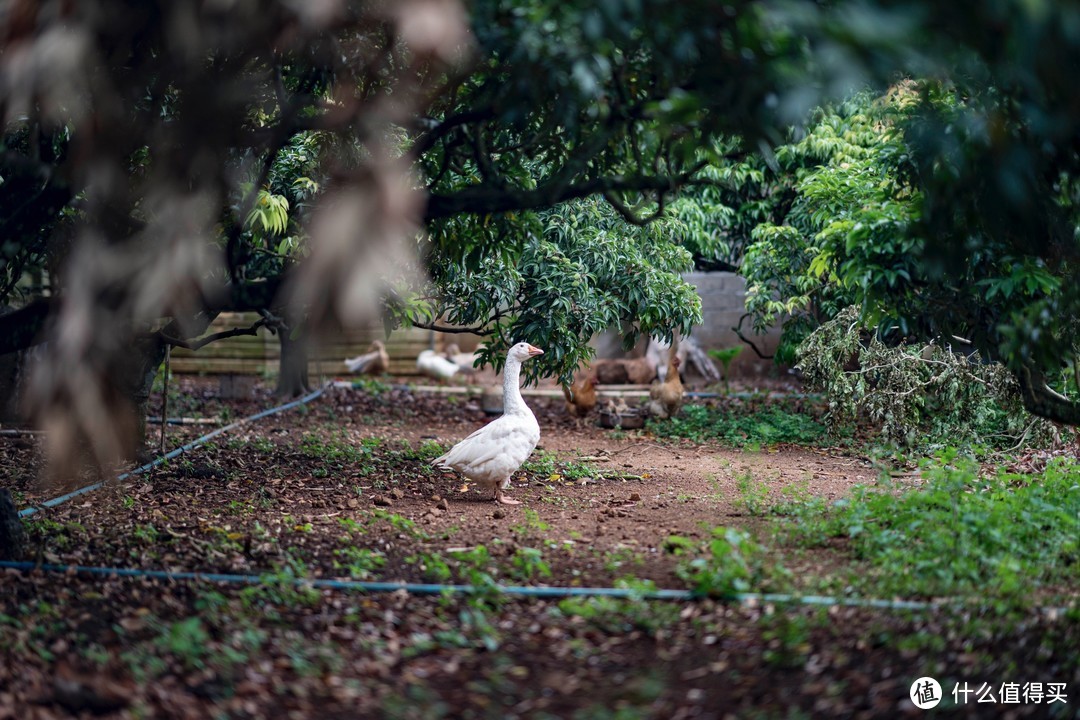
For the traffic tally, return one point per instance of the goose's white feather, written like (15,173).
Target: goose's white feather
(493,453)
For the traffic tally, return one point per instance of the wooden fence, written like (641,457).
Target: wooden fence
(261,354)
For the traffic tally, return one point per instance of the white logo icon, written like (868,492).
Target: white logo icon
(925,693)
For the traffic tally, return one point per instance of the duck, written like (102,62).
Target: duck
(374,362)
(493,453)
(466,362)
(435,365)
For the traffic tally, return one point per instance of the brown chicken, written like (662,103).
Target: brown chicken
(374,362)
(667,397)
(640,371)
(581,395)
(624,371)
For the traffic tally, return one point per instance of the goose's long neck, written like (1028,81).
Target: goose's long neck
(513,404)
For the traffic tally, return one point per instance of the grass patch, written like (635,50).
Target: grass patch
(960,533)
(767,426)
(548,465)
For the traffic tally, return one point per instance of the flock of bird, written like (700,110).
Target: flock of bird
(492,454)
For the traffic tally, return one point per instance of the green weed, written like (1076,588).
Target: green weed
(729,563)
(532,523)
(622,615)
(548,465)
(432,567)
(528,563)
(753,494)
(360,562)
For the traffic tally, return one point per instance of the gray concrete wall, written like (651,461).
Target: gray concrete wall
(723,302)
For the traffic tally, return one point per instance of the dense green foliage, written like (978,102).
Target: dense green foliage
(961,533)
(582,269)
(845,227)
(946,209)
(855,235)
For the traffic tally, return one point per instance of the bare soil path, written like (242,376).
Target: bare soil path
(343,489)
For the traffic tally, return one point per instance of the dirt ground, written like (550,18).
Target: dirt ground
(342,488)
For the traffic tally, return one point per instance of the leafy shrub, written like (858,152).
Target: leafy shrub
(922,396)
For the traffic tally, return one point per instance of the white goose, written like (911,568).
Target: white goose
(494,452)
(435,365)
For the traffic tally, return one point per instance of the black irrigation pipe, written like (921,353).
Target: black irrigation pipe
(26,512)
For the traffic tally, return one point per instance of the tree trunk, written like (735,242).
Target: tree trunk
(293,373)
(135,379)
(10,392)
(1039,399)
(12,537)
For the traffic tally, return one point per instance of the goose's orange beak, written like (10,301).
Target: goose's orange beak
(534,351)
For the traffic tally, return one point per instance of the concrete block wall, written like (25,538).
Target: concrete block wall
(723,302)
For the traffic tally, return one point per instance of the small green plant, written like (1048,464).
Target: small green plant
(678,545)
(401,524)
(619,559)
(725,357)
(360,562)
(432,567)
(731,563)
(753,495)
(351,527)
(283,587)
(371,386)
(239,508)
(787,638)
(532,523)
(959,532)
(146,534)
(187,640)
(425,452)
(263,445)
(528,563)
(548,465)
(622,615)
(334,448)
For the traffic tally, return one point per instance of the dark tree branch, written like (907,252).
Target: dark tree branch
(452,330)
(482,199)
(483,159)
(24,328)
(206,340)
(748,341)
(628,213)
(427,140)
(1039,399)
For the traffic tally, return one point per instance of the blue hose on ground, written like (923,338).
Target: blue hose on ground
(25,512)
(511,590)
(329,584)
